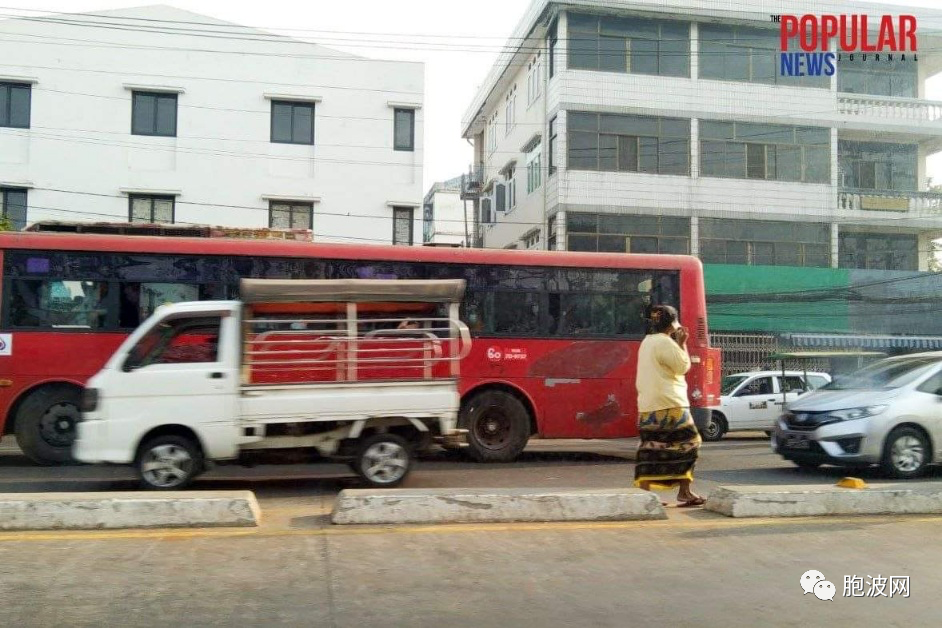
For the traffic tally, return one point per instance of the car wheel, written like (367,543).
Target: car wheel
(168,463)
(906,453)
(714,430)
(383,460)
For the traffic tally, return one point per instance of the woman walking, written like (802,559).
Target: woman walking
(669,437)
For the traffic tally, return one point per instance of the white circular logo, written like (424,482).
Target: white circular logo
(494,354)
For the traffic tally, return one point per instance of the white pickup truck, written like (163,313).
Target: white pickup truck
(363,371)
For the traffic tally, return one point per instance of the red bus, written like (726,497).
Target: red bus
(556,333)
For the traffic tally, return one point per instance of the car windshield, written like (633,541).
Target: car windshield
(730,382)
(883,374)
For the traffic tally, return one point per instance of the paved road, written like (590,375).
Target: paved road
(696,569)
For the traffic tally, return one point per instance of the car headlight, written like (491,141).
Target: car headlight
(857,413)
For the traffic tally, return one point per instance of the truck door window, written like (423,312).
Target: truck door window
(177,341)
(758,386)
(792,383)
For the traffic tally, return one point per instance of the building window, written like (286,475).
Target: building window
(878,165)
(402,225)
(292,122)
(534,170)
(775,152)
(618,143)
(154,113)
(878,251)
(553,58)
(428,222)
(551,234)
(15,104)
(151,209)
(534,79)
(894,78)
(636,46)
(511,187)
(290,215)
(531,240)
(510,111)
(617,233)
(405,129)
(736,53)
(13,207)
(551,156)
(492,134)
(764,242)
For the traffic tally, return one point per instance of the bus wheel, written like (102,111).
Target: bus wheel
(498,426)
(45,424)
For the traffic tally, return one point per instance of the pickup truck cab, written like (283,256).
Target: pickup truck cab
(753,401)
(363,371)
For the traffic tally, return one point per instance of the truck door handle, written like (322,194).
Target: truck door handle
(216,375)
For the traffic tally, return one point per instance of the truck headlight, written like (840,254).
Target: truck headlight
(857,413)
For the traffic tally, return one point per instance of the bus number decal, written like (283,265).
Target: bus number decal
(495,354)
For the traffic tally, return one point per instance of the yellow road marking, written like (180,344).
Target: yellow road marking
(180,534)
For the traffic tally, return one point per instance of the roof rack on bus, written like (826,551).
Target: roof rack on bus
(171,230)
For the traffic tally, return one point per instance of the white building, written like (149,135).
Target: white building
(154,114)
(448,220)
(636,110)
(640,126)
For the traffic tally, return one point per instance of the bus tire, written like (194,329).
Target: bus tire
(45,424)
(498,426)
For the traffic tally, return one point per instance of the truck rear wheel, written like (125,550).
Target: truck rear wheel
(383,460)
(167,463)
(498,426)
(45,424)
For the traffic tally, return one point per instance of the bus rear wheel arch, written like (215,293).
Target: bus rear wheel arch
(498,423)
(45,423)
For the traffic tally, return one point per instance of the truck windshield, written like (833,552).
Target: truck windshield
(883,374)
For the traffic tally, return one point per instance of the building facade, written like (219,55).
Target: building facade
(640,127)
(154,114)
(447,218)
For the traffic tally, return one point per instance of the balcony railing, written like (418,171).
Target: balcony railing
(889,200)
(887,107)
(472,183)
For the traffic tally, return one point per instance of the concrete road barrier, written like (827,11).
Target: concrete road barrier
(493,505)
(91,511)
(803,500)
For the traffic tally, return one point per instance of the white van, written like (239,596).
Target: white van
(363,371)
(753,401)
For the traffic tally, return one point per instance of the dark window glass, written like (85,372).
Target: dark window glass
(15,105)
(878,251)
(764,242)
(60,304)
(402,225)
(551,160)
(178,341)
(644,56)
(292,122)
(885,78)
(765,151)
(13,207)
(626,143)
(627,233)
(583,243)
(612,56)
(878,165)
(612,244)
(404,129)
(154,113)
(151,209)
(635,45)
(287,215)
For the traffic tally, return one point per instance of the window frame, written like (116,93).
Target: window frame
(152,198)
(293,104)
(292,206)
(5,191)
(156,96)
(410,113)
(398,212)
(6,117)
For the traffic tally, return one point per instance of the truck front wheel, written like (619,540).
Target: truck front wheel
(383,460)
(167,463)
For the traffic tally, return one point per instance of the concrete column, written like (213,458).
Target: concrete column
(835,240)
(695,235)
(924,251)
(694,50)
(561,231)
(695,148)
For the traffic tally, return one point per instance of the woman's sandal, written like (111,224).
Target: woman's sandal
(690,503)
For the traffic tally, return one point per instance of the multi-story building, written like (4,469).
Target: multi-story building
(447,218)
(154,114)
(645,127)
